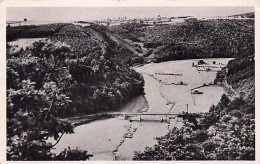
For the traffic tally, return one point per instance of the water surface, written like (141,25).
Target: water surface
(105,138)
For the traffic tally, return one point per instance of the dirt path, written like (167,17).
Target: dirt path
(120,40)
(230,91)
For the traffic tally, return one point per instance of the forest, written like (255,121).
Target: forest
(73,72)
(48,30)
(193,38)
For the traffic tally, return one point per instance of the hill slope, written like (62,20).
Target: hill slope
(246,15)
(101,79)
(193,38)
(75,71)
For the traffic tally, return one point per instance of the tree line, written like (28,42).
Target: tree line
(193,39)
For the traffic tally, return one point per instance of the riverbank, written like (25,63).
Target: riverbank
(137,104)
(115,140)
(180,95)
(81,120)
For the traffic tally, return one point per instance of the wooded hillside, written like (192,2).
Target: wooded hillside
(75,71)
(193,38)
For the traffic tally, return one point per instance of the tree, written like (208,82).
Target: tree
(33,113)
(224,100)
(29,125)
(201,62)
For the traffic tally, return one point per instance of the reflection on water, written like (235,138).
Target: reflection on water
(106,138)
(180,95)
(99,138)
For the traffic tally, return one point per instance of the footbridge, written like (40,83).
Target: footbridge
(162,117)
(150,114)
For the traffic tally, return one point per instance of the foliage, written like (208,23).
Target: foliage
(13,33)
(86,70)
(101,80)
(227,132)
(194,38)
(132,31)
(201,62)
(54,79)
(36,100)
(241,75)
(176,51)
(83,70)
(222,137)
(73,155)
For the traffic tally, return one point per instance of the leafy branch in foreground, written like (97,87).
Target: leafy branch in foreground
(33,109)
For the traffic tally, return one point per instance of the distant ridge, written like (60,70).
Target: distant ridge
(246,15)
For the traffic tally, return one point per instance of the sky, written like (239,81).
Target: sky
(99,13)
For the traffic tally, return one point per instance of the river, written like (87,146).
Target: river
(105,138)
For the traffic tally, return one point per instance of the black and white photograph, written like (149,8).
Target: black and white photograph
(130,83)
